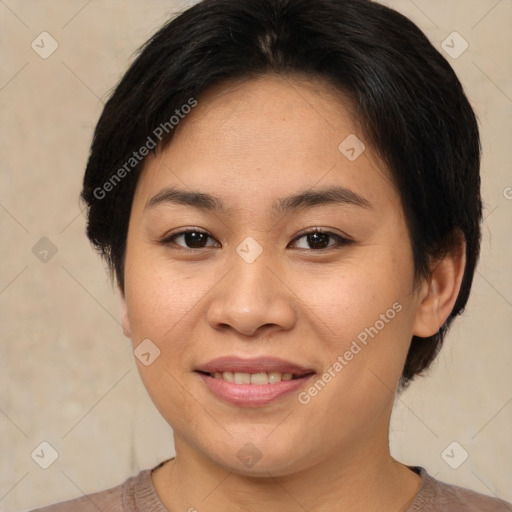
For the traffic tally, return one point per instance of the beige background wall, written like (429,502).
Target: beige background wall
(67,374)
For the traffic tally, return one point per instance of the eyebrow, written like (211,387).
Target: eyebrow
(300,201)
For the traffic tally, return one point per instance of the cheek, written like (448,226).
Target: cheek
(157,298)
(157,310)
(155,305)
(365,316)
(353,297)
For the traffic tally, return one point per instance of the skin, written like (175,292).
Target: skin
(250,143)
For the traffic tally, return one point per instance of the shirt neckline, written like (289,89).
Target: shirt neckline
(142,488)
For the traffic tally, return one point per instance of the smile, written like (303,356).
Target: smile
(253,394)
(253,382)
(258,379)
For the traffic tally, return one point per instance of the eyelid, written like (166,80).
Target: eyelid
(168,238)
(341,239)
(324,231)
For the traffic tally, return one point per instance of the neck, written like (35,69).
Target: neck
(354,479)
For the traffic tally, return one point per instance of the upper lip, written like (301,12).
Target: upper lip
(253,365)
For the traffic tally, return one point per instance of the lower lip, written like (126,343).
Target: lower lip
(252,395)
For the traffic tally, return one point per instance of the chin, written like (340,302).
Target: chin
(259,458)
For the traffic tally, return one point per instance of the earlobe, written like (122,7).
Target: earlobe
(438,294)
(125,319)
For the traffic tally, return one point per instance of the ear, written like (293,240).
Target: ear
(125,320)
(438,293)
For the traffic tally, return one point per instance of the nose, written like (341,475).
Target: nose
(252,299)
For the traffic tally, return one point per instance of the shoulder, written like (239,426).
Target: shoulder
(109,499)
(437,496)
(136,490)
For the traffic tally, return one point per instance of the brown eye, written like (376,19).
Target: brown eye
(192,239)
(319,240)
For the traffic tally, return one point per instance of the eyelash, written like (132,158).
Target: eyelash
(341,241)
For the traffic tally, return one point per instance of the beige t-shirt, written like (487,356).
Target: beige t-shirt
(137,494)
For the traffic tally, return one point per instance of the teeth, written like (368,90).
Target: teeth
(229,376)
(275,377)
(242,378)
(257,379)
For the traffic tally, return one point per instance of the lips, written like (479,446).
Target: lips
(253,366)
(253,382)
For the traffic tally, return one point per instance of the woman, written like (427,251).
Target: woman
(288,195)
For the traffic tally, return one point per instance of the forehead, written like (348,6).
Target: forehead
(266,137)
(263,106)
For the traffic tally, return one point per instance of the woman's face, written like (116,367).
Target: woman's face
(249,283)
